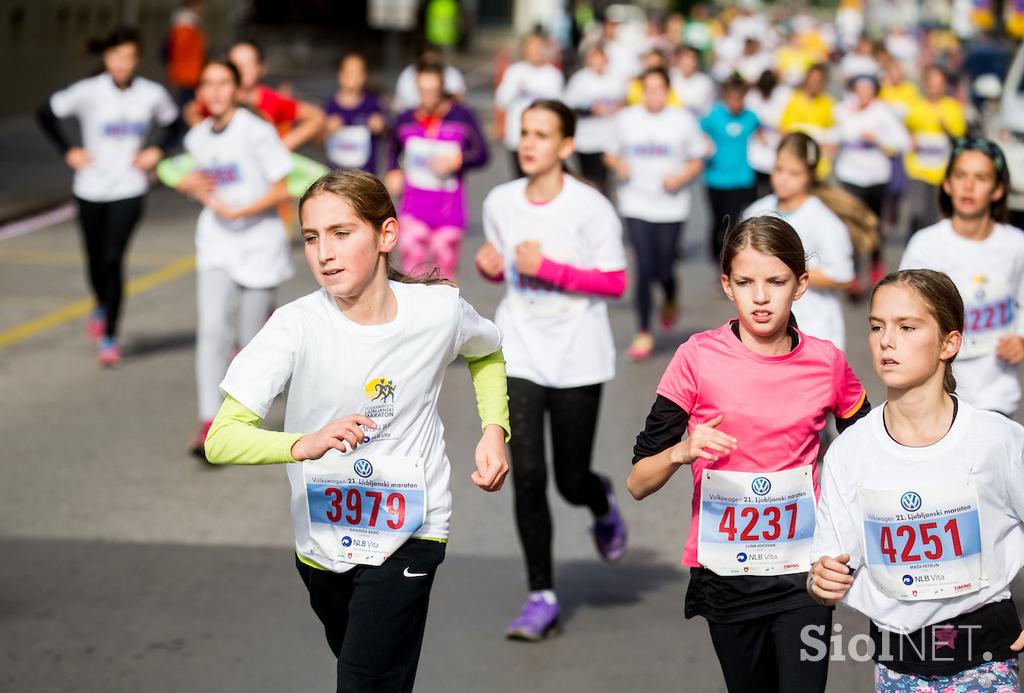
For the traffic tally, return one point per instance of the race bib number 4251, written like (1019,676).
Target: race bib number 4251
(756,523)
(923,542)
(362,509)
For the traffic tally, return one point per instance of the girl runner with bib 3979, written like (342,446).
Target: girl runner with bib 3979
(557,244)
(921,521)
(753,396)
(363,360)
(985,259)
(125,123)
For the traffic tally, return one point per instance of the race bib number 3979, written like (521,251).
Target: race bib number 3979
(756,524)
(362,509)
(923,542)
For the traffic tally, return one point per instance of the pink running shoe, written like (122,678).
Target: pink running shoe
(96,325)
(197,446)
(641,348)
(109,353)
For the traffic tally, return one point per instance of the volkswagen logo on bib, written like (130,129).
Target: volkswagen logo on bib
(363,468)
(910,501)
(761,486)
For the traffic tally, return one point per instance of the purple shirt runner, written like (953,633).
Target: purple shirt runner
(353,146)
(431,199)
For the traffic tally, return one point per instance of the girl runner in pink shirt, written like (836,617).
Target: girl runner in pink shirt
(753,395)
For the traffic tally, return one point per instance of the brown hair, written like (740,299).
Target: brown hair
(860,222)
(770,235)
(372,202)
(566,118)
(944,303)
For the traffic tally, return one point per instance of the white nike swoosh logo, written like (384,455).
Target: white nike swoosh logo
(408,574)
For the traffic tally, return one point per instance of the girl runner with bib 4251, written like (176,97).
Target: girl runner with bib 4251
(921,521)
(363,359)
(753,395)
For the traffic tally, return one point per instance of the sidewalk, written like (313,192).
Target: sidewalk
(33,176)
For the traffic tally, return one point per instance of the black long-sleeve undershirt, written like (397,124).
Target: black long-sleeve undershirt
(666,426)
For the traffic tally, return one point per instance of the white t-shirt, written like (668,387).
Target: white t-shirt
(408,96)
(697,92)
(656,145)
(827,244)
(857,65)
(761,154)
(990,276)
(982,448)
(585,89)
(751,67)
(332,366)
(551,337)
(521,85)
(865,164)
(114,124)
(245,159)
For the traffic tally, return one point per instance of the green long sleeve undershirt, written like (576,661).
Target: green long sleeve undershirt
(236,438)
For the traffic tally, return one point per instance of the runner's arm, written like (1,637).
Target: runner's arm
(664,429)
(491,389)
(236,438)
(49,123)
(583,281)
(309,120)
(844,422)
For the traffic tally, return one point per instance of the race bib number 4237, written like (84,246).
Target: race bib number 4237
(923,542)
(756,523)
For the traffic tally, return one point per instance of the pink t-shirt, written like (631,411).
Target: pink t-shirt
(775,406)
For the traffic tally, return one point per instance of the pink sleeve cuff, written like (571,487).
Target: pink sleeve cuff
(583,281)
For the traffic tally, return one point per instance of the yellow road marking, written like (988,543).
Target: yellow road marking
(68,257)
(79,309)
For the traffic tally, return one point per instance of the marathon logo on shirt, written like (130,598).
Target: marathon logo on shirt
(224,175)
(650,149)
(380,406)
(125,128)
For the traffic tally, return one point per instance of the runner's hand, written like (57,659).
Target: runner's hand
(344,435)
(622,170)
(444,166)
(333,124)
(704,441)
(1011,349)
(376,123)
(148,158)
(674,184)
(489,260)
(198,185)
(1018,644)
(77,158)
(491,459)
(528,258)
(830,578)
(395,182)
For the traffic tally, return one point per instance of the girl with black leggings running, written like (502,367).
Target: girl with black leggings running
(556,243)
(125,123)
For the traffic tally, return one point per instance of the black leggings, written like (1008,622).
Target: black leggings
(374,616)
(762,655)
(727,208)
(106,230)
(592,169)
(573,417)
(656,248)
(873,198)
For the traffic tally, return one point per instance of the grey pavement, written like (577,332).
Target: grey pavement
(131,567)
